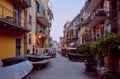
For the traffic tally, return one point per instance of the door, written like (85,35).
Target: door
(18,47)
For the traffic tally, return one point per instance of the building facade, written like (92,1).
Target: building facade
(71,32)
(61,42)
(24,25)
(66,34)
(13,27)
(100,19)
(39,18)
(94,21)
(31,23)
(43,24)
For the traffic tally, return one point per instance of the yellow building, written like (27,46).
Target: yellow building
(12,27)
(43,24)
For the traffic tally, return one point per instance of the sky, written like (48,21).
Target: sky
(63,10)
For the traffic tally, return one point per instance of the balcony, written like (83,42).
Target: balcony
(23,3)
(9,21)
(74,37)
(91,4)
(42,33)
(42,19)
(84,31)
(95,18)
(68,40)
(86,21)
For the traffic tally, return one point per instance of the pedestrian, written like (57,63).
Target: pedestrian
(33,50)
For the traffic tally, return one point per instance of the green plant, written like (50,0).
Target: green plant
(84,48)
(109,45)
(94,47)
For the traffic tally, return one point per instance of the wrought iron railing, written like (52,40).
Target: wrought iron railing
(43,31)
(22,3)
(99,12)
(9,16)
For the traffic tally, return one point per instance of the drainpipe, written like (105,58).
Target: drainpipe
(113,16)
(114,24)
(25,34)
(25,43)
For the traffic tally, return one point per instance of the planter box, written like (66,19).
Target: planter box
(108,63)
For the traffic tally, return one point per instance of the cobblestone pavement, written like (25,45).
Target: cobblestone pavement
(61,68)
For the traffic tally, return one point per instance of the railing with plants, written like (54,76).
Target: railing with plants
(106,46)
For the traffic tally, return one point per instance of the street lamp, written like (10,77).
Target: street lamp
(39,36)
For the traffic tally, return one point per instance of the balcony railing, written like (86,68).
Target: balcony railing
(91,4)
(7,17)
(98,16)
(42,19)
(23,3)
(44,31)
(86,21)
(84,30)
(68,40)
(75,36)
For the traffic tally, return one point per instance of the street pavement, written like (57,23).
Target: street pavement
(62,68)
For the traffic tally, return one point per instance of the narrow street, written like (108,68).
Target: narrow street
(32,31)
(61,68)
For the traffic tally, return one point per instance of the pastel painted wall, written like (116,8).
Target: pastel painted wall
(8,44)
(7,36)
(8,8)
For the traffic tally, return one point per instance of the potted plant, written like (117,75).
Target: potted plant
(109,47)
(94,48)
(84,48)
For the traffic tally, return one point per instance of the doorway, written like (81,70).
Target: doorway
(18,47)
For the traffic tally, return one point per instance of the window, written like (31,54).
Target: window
(102,29)
(30,19)
(17,15)
(30,38)
(109,28)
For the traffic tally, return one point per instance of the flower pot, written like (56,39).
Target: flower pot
(112,62)
(108,62)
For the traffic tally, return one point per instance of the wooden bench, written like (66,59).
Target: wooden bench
(16,71)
